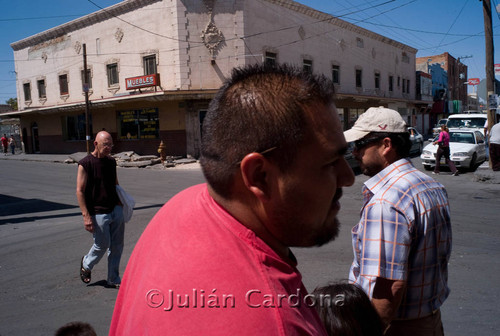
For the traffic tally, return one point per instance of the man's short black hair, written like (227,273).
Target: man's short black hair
(258,108)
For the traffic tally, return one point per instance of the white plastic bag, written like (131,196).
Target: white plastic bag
(127,201)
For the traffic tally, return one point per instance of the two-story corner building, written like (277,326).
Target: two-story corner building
(154,65)
(456,79)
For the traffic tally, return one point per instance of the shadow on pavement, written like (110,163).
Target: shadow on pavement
(11,206)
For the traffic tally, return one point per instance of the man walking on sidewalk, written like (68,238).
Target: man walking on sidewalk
(101,209)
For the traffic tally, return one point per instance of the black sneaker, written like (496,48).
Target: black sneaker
(455,173)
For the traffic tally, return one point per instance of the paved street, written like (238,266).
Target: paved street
(42,241)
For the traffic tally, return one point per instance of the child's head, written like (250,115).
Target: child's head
(345,309)
(76,328)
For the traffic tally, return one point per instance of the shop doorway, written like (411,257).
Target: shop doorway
(35,139)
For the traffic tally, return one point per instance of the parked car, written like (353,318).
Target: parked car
(467,149)
(437,128)
(467,120)
(417,141)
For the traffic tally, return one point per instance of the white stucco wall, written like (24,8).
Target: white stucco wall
(172,30)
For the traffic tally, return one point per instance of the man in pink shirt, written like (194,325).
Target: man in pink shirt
(216,259)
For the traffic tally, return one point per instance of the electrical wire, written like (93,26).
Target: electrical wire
(136,26)
(452,24)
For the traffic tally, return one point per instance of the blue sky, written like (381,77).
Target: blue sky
(432,27)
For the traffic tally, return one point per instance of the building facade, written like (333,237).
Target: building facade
(153,66)
(449,77)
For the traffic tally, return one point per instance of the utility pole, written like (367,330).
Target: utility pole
(87,103)
(461,79)
(490,74)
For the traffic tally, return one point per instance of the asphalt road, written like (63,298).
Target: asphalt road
(42,241)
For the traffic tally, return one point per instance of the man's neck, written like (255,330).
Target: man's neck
(96,154)
(243,213)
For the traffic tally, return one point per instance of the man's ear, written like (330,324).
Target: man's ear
(255,172)
(387,142)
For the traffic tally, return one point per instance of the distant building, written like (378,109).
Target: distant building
(424,94)
(5,108)
(153,71)
(455,86)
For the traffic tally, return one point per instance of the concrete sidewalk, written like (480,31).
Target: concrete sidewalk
(61,158)
(67,158)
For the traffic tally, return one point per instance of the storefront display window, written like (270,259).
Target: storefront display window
(138,124)
(74,127)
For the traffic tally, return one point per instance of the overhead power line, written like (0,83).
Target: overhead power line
(136,26)
(41,17)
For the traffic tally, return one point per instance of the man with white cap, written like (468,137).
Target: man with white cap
(402,243)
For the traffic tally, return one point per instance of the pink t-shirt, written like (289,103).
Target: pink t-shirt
(444,139)
(196,270)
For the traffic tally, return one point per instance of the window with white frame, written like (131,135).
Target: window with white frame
(63,84)
(112,73)
(41,88)
(336,74)
(307,65)
(27,91)
(87,80)
(377,80)
(149,63)
(359,78)
(270,58)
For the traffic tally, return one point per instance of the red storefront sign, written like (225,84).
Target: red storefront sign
(142,81)
(473,81)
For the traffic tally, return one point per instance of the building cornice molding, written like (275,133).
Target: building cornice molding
(85,21)
(320,16)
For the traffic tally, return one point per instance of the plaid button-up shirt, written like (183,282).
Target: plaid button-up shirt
(404,234)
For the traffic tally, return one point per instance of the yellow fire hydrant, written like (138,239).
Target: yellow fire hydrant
(162,150)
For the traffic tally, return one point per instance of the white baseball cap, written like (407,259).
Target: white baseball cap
(376,119)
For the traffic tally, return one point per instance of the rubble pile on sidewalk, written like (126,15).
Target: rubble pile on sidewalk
(132,159)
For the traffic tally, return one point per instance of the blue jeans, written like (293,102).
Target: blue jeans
(109,232)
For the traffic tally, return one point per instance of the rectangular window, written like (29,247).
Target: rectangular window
(41,88)
(73,127)
(336,74)
(391,83)
(63,85)
(112,70)
(405,58)
(27,91)
(139,124)
(149,63)
(404,85)
(307,66)
(407,86)
(359,82)
(377,80)
(359,42)
(399,81)
(270,58)
(89,79)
